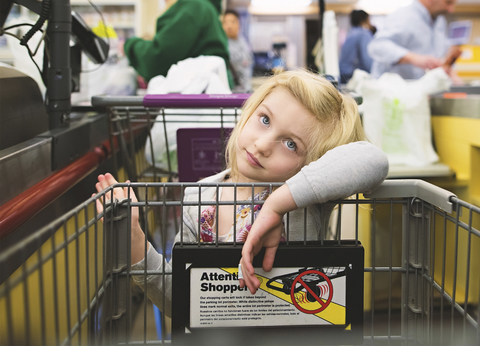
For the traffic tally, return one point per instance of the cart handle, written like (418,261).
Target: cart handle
(401,188)
(173,101)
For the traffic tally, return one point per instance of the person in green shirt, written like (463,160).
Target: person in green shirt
(188,29)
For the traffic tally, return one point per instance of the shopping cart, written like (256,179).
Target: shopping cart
(421,265)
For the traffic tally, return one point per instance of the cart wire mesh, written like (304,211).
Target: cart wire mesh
(77,289)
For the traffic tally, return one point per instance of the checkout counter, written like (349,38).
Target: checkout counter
(45,172)
(48,148)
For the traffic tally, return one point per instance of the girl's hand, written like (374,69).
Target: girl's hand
(104,181)
(137,235)
(266,232)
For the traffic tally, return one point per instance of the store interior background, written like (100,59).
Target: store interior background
(456,137)
(295,26)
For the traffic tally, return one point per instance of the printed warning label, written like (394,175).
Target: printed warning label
(287,296)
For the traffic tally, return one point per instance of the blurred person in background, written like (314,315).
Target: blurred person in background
(354,53)
(187,29)
(413,40)
(241,56)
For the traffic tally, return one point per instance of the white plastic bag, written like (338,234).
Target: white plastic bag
(193,76)
(113,77)
(396,115)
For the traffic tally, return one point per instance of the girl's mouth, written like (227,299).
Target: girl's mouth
(253,161)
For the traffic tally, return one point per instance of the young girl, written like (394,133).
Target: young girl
(296,119)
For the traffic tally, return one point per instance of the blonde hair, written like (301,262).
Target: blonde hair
(336,114)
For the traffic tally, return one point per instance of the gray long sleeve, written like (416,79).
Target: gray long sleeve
(158,287)
(343,171)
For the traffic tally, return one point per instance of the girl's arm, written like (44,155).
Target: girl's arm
(341,172)
(266,232)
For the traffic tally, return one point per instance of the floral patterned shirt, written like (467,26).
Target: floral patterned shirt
(243,221)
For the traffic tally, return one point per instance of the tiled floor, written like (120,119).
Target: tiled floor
(144,326)
(141,320)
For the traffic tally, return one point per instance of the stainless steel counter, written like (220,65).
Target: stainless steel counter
(468,107)
(24,165)
(458,102)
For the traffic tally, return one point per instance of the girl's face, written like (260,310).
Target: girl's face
(272,146)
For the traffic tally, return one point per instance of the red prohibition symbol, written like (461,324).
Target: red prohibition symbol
(315,294)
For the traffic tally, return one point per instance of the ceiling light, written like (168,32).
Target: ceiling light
(384,7)
(281,4)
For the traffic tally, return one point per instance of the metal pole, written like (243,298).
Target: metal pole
(59,72)
(321,11)
(416,259)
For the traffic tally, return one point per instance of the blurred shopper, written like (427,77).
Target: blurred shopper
(354,53)
(241,56)
(413,39)
(188,29)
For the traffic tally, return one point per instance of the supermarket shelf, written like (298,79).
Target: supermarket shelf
(120,14)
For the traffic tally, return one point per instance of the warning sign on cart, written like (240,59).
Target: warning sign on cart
(313,296)
(313,288)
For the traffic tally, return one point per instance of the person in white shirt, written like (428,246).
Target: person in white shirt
(413,39)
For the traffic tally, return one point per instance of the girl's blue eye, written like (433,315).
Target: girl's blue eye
(290,145)
(265,120)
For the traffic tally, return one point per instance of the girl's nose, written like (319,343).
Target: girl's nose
(264,145)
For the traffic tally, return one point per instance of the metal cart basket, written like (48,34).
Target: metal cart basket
(421,266)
